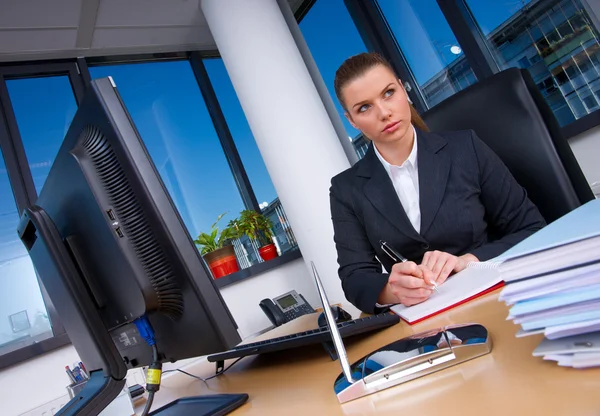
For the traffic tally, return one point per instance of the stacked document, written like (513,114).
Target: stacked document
(552,287)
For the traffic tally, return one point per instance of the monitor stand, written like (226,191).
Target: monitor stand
(211,405)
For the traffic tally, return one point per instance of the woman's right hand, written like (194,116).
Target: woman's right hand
(408,284)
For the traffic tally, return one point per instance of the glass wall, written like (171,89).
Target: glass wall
(556,41)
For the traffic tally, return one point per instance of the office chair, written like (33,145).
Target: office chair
(510,115)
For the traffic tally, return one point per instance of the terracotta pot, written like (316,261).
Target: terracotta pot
(268,252)
(222,261)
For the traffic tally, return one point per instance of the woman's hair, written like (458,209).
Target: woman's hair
(358,65)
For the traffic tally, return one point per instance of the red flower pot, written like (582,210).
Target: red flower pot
(222,262)
(268,252)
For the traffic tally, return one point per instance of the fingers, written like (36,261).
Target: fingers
(408,268)
(441,264)
(406,301)
(445,272)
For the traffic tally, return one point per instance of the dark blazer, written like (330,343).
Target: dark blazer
(469,201)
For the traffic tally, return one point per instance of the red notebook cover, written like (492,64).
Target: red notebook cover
(485,292)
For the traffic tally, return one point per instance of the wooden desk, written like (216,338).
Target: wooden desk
(509,381)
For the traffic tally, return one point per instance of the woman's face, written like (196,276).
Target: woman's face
(377,105)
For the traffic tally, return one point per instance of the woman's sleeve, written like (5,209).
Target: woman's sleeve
(509,212)
(359,270)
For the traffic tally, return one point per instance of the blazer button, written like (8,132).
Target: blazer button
(425,246)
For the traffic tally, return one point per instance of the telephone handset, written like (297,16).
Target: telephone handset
(285,307)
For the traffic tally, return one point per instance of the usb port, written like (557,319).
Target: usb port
(119,232)
(111,214)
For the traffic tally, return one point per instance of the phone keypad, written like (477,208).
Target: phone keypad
(297,312)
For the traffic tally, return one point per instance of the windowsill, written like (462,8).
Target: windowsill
(257,269)
(582,125)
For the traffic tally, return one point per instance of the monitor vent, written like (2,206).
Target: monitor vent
(133,223)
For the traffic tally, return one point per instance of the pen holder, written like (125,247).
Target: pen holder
(75,388)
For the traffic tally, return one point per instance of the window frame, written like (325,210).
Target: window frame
(21,181)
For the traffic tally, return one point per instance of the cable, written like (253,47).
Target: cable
(148,403)
(154,353)
(154,371)
(207,378)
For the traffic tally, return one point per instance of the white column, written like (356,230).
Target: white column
(291,126)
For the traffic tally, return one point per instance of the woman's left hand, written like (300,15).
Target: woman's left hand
(443,264)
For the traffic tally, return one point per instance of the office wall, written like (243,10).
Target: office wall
(42,379)
(586,148)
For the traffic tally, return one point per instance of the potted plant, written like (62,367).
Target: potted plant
(257,227)
(217,250)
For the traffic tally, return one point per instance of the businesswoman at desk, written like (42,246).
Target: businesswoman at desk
(440,199)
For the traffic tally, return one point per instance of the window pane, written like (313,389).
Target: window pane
(332,37)
(429,46)
(23,316)
(252,160)
(240,130)
(167,107)
(556,41)
(44,108)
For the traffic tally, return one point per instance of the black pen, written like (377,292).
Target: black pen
(397,257)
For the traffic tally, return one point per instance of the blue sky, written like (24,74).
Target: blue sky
(167,107)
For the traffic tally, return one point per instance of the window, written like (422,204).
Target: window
(561,34)
(167,107)
(44,108)
(252,160)
(23,315)
(332,37)
(240,131)
(428,44)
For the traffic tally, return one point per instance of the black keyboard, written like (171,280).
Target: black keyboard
(313,336)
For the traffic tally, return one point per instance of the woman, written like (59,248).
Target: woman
(440,199)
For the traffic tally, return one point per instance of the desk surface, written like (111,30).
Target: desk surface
(509,380)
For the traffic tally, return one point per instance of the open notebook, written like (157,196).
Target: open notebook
(570,241)
(476,280)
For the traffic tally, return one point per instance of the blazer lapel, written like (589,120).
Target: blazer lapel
(380,191)
(434,168)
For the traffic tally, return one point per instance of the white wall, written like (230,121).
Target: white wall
(586,148)
(242,298)
(40,380)
(35,382)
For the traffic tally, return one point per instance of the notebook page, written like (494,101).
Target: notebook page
(476,278)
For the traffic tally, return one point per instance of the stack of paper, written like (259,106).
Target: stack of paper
(553,286)
(579,351)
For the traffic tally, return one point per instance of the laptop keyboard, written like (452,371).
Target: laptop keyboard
(313,336)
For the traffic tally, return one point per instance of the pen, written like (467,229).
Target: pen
(397,257)
(83,370)
(68,371)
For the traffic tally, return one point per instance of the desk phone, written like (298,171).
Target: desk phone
(286,307)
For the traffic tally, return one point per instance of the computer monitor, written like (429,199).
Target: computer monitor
(110,247)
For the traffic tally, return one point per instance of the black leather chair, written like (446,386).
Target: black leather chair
(510,115)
